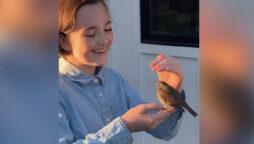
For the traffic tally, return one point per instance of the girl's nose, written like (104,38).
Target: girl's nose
(102,39)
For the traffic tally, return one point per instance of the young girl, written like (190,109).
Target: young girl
(97,105)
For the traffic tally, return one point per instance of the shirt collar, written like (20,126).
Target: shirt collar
(71,72)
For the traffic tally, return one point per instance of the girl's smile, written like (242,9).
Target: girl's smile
(99,52)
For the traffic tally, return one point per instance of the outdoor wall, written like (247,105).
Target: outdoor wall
(131,59)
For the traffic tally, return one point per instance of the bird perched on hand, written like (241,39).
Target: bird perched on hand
(169,96)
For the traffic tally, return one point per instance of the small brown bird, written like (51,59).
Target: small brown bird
(168,96)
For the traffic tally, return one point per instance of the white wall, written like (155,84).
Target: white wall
(131,59)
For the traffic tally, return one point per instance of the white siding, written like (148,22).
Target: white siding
(131,59)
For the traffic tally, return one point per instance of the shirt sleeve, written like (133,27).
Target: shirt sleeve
(114,133)
(166,130)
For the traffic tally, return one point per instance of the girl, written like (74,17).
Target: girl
(97,105)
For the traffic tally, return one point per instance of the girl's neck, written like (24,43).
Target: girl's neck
(85,68)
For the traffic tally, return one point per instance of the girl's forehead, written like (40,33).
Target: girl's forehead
(92,15)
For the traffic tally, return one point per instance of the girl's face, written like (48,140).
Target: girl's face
(91,40)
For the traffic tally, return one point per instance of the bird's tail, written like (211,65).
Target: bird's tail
(189,109)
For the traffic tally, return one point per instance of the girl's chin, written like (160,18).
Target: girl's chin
(101,62)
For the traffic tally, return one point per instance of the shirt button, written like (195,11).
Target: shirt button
(108,119)
(60,115)
(100,94)
(95,80)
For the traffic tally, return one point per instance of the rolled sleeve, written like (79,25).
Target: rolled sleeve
(115,133)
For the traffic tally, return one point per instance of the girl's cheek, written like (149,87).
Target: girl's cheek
(111,37)
(110,41)
(89,44)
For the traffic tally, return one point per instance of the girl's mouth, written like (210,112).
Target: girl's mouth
(99,51)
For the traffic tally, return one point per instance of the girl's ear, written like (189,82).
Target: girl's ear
(64,43)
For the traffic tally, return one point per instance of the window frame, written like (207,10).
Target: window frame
(163,39)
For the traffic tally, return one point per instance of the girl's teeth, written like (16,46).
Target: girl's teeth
(99,51)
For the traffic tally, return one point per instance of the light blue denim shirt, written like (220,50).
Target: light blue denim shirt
(90,108)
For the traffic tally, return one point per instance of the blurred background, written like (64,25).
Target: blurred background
(226,72)
(28,71)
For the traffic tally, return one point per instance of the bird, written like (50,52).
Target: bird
(169,96)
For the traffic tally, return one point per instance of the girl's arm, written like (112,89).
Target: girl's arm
(167,129)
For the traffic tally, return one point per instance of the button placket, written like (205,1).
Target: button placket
(107,115)
(98,89)
(106,109)
(95,80)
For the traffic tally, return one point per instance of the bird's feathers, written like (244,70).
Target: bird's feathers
(168,96)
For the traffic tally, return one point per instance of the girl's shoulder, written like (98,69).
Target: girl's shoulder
(109,72)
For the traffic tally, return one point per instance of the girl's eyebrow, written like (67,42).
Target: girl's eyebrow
(90,28)
(109,22)
(94,27)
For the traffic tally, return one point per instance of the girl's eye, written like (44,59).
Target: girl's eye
(90,35)
(107,30)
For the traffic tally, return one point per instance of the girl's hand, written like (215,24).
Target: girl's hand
(139,119)
(169,71)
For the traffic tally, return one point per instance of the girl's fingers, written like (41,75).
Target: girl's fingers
(161,116)
(170,68)
(152,106)
(171,109)
(166,61)
(160,56)
(155,62)
(160,69)
(158,59)
(166,67)
(162,62)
